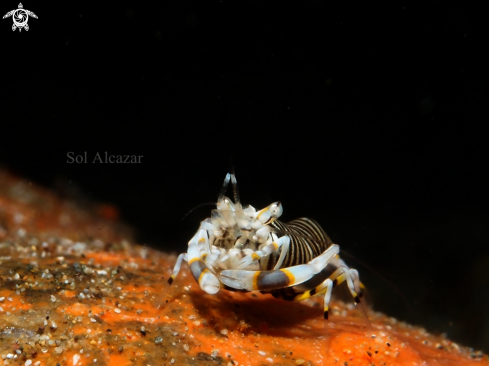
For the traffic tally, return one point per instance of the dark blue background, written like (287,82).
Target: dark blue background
(368,117)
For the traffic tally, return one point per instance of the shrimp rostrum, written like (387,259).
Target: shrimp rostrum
(242,249)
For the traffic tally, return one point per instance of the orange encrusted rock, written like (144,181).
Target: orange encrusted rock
(74,290)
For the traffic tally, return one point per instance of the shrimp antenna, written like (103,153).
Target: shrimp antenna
(224,188)
(198,206)
(235,186)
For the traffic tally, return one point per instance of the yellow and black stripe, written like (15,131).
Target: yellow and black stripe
(272,280)
(198,268)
